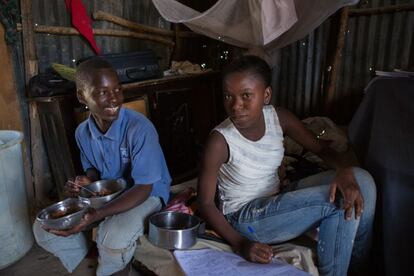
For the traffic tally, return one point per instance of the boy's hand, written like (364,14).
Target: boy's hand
(256,252)
(345,182)
(88,218)
(72,187)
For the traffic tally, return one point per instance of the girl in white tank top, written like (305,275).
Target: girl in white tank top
(251,169)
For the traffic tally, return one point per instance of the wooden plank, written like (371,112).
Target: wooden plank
(39,167)
(29,48)
(330,94)
(100,15)
(57,145)
(381,10)
(57,30)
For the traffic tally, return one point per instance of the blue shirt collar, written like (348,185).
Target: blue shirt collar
(114,131)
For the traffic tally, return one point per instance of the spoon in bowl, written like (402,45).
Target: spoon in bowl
(86,189)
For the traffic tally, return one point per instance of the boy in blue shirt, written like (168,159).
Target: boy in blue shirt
(114,143)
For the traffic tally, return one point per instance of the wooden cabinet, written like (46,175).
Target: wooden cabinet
(183,109)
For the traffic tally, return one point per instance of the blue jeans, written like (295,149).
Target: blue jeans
(116,239)
(288,215)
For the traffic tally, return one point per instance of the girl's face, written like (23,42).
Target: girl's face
(244,97)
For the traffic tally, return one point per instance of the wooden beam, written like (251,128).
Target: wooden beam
(100,15)
(57,30)
(335,67)
(29,48)
(381,10)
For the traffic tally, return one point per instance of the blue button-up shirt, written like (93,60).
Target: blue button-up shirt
(129,150)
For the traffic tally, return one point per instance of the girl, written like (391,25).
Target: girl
(242,158)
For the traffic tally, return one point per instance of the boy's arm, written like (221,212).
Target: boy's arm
(215,155)
(344,179)
(127,200)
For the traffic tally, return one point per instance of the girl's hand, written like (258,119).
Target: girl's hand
(72,185)
(256,252)
(349,188)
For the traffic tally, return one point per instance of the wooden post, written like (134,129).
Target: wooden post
(38,162)
(178,45)
(337,61)
(29,48)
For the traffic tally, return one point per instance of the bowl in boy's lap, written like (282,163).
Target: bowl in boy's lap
(103,191)
(64,214)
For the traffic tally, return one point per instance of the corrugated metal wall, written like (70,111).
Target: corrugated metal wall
(378,42)
(67,49)
(297,78)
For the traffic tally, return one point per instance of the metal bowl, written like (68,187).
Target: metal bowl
(115,186)
(173,230)
(64,214)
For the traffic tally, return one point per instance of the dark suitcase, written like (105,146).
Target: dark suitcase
(135,66)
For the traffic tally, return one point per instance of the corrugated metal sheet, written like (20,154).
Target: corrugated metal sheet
(67,49)
(297,78)
(378,42)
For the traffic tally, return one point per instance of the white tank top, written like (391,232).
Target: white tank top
(251,170)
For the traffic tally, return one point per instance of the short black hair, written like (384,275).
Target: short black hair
(252,64)
(86,68)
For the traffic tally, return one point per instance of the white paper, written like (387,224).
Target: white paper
(213,262)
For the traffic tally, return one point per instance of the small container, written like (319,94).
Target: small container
(115,186)
(173,230)
(64,214)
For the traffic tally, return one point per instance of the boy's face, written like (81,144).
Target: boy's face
(103,96)
(244,97)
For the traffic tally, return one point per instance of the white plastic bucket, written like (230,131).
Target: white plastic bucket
(16,236)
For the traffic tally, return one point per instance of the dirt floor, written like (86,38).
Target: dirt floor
(40,262)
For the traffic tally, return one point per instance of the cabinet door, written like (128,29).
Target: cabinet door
(171,115)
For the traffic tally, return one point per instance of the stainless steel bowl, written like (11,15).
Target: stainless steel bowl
(115,186)
(173,230)
(46,216)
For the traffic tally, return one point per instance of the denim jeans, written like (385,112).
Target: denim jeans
(288,215)
(116,239)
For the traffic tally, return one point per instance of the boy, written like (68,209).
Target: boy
(114,143)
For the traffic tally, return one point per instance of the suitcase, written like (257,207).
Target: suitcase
(135,66)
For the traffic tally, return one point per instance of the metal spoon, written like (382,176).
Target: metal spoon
(80,186)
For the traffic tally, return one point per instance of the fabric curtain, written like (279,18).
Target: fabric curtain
(264,24)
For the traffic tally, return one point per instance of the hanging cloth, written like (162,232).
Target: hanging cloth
(82,22)
(241,23)
(265,24)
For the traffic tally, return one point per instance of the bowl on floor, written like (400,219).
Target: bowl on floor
(173,230)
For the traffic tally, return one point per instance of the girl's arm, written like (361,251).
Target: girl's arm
(215,155)
(344,180)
